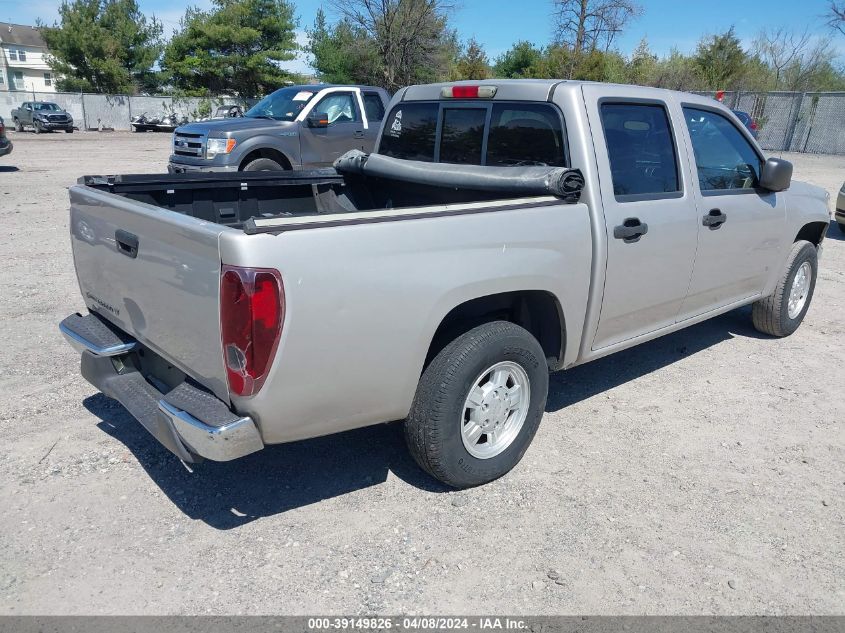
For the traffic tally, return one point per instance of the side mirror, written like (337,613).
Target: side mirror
(776,174)
(318,119)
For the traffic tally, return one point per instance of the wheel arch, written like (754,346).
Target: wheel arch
(265,152)
(812,232)
(538,311)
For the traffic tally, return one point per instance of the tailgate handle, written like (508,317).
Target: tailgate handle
(127,243)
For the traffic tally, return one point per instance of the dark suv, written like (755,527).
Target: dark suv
(5,143)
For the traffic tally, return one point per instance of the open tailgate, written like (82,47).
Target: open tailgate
(155,274)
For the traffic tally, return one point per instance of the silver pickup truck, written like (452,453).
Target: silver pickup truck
(500,231)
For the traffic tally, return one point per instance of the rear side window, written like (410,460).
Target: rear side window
(409,132)
(462,136)
(525,134)
(373,106)
(723,156)
(643,160)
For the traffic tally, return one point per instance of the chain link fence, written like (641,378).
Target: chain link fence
(115,112)
(812,122)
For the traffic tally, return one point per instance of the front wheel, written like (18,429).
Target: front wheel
(18,126)
(37,127)
(263,164)
(478,405)
(781,313)
(70,131)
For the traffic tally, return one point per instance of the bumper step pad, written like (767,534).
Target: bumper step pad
(138,396)
(91,333)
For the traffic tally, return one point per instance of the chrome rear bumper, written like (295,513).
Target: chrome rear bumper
(188,421)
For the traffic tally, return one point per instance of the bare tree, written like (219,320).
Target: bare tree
(779,48)
(796,59)
(836,16)
(411,36)
(587,25)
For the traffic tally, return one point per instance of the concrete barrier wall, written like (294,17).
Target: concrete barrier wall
(96,111)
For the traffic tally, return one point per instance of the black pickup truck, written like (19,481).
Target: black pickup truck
(42,116)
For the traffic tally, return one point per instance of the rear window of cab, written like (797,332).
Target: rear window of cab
(475,133)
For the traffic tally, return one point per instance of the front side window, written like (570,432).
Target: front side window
(409,132)
(462,135)
(339,108)
(373,106)
(724,158)
(641,150)
(525,134)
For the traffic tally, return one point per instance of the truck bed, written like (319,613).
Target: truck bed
(364,183)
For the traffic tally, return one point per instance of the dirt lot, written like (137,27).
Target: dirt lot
(700,473)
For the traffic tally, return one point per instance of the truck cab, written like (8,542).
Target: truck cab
(296,127)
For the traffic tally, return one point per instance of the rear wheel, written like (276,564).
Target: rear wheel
(478,405)
(781,313)
(263,164)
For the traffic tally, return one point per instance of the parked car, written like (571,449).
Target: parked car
(297,127)
(840,209)
(500,231)
(749,122)
(5,144)
(42,116)
(144,123)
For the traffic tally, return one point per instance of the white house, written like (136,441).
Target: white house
(23,63)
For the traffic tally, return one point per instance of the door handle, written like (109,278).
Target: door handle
(714,219)
(127,243)
(358,134)
(630,231)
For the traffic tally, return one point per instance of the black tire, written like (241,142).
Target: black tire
(263,164)
(771,315)
(841,227)
(18,126)
(68,131)
(433,427)
(36,127)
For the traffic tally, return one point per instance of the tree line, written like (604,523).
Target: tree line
(239,47)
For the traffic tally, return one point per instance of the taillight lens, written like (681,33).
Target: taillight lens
(753,124)
(252,311)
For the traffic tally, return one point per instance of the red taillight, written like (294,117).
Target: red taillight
(2,128)
(753,124)
(252,310)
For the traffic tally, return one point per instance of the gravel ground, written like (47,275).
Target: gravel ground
(700,473)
